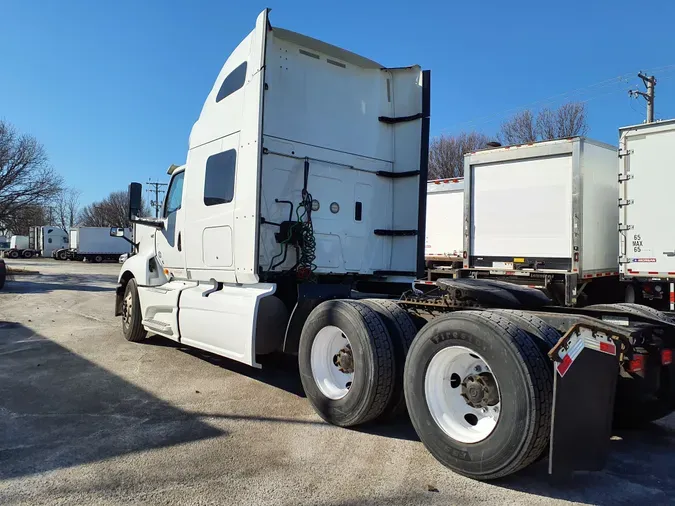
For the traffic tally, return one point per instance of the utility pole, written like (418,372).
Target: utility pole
(650,84)
(156,203)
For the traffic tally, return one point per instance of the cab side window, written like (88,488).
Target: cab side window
(174,196)
(219,178)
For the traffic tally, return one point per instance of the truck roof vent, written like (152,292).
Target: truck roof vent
(311,55)
(336,63)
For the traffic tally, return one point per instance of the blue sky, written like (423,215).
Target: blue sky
(112,88)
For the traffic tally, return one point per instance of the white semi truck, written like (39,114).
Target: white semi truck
(304,189)
(647,239)
(40,241)
(95,244)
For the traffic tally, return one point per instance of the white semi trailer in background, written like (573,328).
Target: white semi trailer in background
(304,189)
(444,240)
(95,244)
(647,237)
(544,215)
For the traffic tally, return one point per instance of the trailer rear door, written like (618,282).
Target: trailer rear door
(521,208)
(648,236)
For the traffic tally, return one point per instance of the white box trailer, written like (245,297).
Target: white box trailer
(543,214)
(95,244)
(444,217)
(647,238)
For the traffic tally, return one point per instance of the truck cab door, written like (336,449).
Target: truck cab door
(170,240)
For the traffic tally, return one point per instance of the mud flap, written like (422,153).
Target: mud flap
(586,367)
(310,295)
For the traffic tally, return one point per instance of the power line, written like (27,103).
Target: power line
(622,79)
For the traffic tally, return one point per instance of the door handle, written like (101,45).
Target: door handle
(179,243)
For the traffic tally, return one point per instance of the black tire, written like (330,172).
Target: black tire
(631,308)
(545,336)
(3,274)
(131,325)
(373,381)
(402,331)
(525,385)
(27,254)
(13,254)
(63,255)
(98,259)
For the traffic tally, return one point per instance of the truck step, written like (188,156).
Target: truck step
(158,326)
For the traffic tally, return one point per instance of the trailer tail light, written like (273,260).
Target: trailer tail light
(666,357)
(576,256)
(464,255)
(637,364)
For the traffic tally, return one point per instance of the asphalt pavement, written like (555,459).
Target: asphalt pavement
(88,418)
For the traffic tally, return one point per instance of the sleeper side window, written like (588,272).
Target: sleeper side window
(219,178)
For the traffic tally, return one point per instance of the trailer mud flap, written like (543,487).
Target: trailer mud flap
(586,367)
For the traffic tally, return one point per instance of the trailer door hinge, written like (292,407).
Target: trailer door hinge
(624,259)
(625,152)
(623,228)
(625,177)
(625,202)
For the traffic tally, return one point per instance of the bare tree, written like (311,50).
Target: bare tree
(520,129)
(26,179)
(22,219)
(568,120)
(112,211)
(446,153)
(66,207)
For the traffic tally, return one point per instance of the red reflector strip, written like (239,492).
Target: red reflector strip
(671,274)
(666,357)
(608,348)
(652,272)
(637,364)
(564,365)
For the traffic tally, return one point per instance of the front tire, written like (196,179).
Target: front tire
(131,314)
(346,362)
(459,369)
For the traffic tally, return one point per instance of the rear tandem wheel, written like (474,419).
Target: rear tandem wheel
(479,393)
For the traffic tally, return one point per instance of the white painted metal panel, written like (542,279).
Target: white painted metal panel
(444,219)
(224,322)
(522,208)
(649,246)
(600,213)
(91,240)
(323,103)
